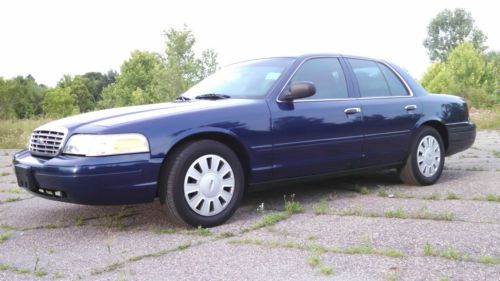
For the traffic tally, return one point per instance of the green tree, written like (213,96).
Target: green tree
(59,102)
(450,28)
(78,87)
(492,73)
(467,73)
(148,77)
(209,63)
(20,97)
(467,66)
(96,82)
(142,80)
(183,67)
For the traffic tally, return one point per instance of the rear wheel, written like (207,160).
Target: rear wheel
(426,159)
(203,183)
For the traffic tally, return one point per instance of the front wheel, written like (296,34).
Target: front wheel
(202,183)
(425,162)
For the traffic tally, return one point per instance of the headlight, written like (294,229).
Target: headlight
(101,145)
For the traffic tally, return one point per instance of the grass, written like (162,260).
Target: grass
(317,249)
(322,207)
(364,190)
(452,196)
(486,119)
(432,196)
(469,156)
(5,236)
(11,199)
(493,197)
(496,153)
(361,189)
(18,270)
(7,227)
(398,213)
(40,273)
(226,234)
(270,219)
(475,169)
(452,254)
(200,231)
(252,241)
(15,133)
(292,206)
(391,276)
(326,270)
(314,261)
(382,192)
(116,265)
(12,190)
(489,260)
(428,252)
(423,214)
(368,249)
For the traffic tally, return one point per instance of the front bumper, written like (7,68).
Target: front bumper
(109,180)
(460,137)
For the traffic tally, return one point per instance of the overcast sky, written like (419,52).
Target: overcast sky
(50,38)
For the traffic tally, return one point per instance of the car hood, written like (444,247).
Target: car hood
(130,114)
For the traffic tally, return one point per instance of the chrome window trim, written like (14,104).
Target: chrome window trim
(345,99)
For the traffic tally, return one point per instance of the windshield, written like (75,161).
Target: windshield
(251,79)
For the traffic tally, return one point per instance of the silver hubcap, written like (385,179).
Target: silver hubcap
(209,185)
(428,156)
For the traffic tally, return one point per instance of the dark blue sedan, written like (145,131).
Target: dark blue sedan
(250,124)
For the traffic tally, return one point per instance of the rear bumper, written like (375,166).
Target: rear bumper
(123,179)
(460,137)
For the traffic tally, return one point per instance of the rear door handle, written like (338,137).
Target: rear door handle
(352,110)
(410,107)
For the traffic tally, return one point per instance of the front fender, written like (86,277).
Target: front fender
(179,137)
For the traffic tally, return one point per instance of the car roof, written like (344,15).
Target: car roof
(311,55)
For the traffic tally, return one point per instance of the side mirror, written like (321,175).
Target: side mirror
(299,90)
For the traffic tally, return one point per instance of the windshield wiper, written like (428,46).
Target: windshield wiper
(182,98)
(212,96)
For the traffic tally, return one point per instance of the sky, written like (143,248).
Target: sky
(50,38)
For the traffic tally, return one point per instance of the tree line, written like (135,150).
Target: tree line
(145,77)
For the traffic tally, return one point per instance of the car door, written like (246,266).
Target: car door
(321,133)
(390,111)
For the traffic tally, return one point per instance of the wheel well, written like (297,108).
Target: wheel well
(441,128)
(236,146)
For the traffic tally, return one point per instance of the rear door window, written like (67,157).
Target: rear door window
(371,81)
(395,85)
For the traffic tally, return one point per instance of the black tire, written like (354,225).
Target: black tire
(410,172)
(173,174)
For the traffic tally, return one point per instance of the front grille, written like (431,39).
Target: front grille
(47,142)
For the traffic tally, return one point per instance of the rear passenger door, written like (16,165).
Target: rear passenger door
(390,111)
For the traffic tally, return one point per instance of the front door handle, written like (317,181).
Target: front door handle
(352,110)
(410,107)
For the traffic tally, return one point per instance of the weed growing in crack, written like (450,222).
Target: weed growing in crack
(322,207)
(292,206)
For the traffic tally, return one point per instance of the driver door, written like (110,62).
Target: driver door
(319,134)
